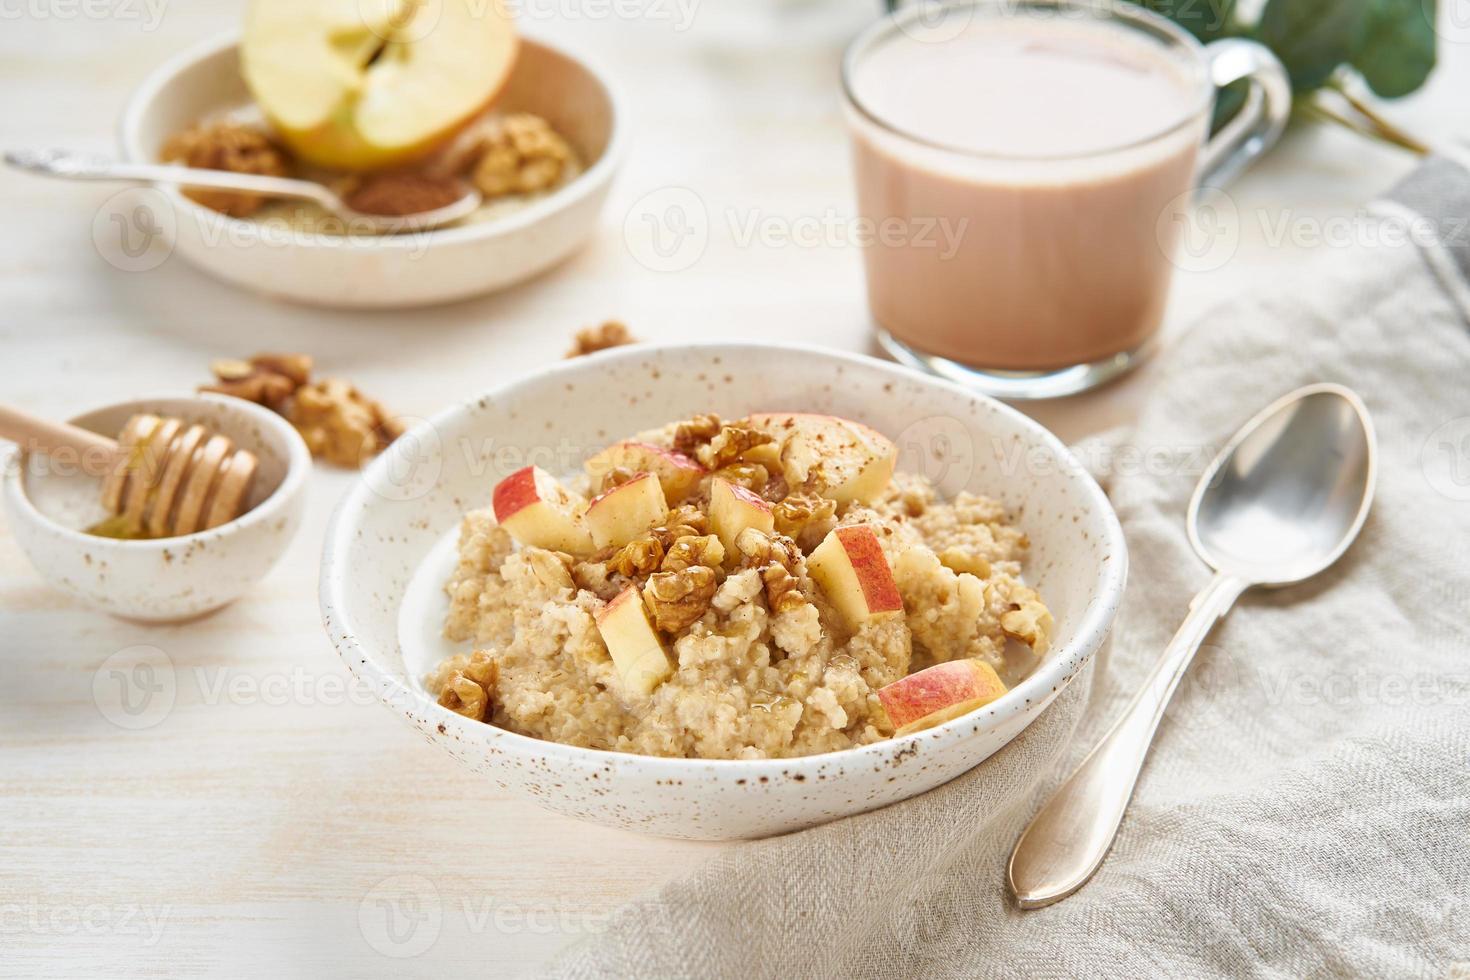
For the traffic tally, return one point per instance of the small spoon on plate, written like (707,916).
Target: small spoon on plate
(1282,502)
(82,166)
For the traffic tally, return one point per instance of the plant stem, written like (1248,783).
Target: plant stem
(1387,129)
(1390,135)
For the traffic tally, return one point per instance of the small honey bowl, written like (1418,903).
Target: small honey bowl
(57,504)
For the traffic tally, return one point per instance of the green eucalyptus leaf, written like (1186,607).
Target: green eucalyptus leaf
(1205,19)
(1313,37)
(1398,47)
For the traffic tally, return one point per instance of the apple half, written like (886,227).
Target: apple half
(541,513)
(851,569)
(677,474)
(939,693)
(838,458)
(362,85)
(634,645)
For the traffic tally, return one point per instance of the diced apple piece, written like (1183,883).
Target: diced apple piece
(541,513)
(835,457)
(635,646)
(733,508)
(677,474)
(852,570)
(626,511)
(939,693)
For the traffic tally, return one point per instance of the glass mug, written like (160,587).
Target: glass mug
(1023,243)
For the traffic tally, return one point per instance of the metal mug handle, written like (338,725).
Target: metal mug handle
(1259,122)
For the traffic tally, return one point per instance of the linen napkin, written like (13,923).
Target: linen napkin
(1306,807)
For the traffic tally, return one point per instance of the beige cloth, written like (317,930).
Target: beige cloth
(1306,808)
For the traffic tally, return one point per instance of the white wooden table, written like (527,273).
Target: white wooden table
(265,823)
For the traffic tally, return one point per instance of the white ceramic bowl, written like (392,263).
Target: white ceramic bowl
(388,548)
(367,272)
(49,501)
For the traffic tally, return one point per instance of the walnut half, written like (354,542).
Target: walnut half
(340,424)
(470,690)
(679,599)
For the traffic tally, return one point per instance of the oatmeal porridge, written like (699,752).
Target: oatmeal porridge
(760,588)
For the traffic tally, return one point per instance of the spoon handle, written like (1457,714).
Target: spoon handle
(84,166)
(1067,840)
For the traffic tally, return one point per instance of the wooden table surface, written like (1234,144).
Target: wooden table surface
(274,820)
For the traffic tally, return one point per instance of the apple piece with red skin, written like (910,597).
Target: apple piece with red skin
(626,511)
(541,513)
(677,474)
(635,646)
(733,508)
(940,693)
(853,572)
(838,458)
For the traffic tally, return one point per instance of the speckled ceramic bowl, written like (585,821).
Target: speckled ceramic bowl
(389,271)
(50,501)
(390,548)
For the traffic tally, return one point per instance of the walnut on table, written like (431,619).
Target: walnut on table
(226,146)
(520,155)
(337,421)
(605,336)
(340,424)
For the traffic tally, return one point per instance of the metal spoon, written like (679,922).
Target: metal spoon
(1282,501)
(81,166)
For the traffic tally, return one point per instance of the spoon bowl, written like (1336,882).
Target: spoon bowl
(1290,491)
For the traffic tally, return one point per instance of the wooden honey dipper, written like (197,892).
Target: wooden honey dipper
(162,476)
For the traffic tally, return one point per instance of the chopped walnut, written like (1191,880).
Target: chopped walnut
(340,424)
(297,367)
(729,445)
(690,434)
(226,146)
(521,155)
(334,418)
(603,337)
(691,550)
(678,599)
(266,379)
(759,549)
(751,476)
(470,690)
(640,557)
(646,554)
(783,591)
(399,194)
(683,520)
(551,568)
(795,512)
(1028,620)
